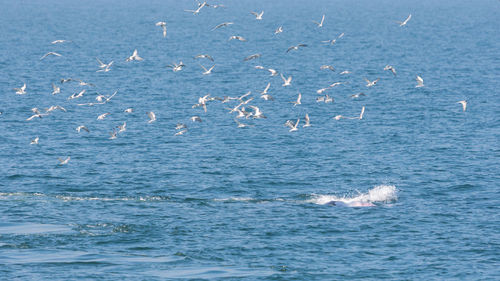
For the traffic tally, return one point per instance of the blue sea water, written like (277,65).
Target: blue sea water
(222,202)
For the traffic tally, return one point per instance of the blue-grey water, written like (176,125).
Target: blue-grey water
(250,203)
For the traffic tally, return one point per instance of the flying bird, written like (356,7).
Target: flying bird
(464,104)
(81,127)
(333,41)
(420,82)
(56,90)
(134,56)
(403,23)
(50,53)
(152,116)
(35,140)
(222,25)
(207,71)
(258,16)
(65,161)
(320,24)
(391,68)
(296,47)
(297,102)
(21,91)
(293,128)
(196,119)
(163,26)
(278,30)
(308,121)
(204,57)
(176,67)
(237,38)
(286,81)
(371,83)
(102,116)
(254,56)
(58,41)
(330,67)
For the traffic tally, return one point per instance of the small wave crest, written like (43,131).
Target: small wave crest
(378,194)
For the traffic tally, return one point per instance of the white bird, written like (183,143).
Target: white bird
(81,127)
(294,127)
(83,83)
(330,67)
(308,122)
(402,23)
(222,25)
(266,89)
(50,53)
(58,41)
(328,99)
(56,90)
(65,161)
(254,56)
(122,128)
(320,24)
(21,91)
(345,72)
(102,116)
(35,140)
(163,26)
(204,57)
(335,84)
(77,95)
(278,30)
(113,135)
(287,81)
(181,132)
(134,56)
(420,82)
(391,68)
(180,126)
(297,102)
(196,119)
(355,96)
(241,125)
(296,47)
(371,83)
(104,67)
(333,41)
(129,110)
(35,116)
(54,107)
(200,6)
(464,104)
(273,72)
(258,16)
(237,38)
(152,116)
(257,114)
(176,67)
(362,113)
(207,71)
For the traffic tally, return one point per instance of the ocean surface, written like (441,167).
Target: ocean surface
(253,203)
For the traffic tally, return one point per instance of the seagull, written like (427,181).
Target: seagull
(81,127)
(180,126)
(238,38)
(134,56)
(320,24)
(327,67)
(464,104)
(371,83)
(163,26)
(278,30)
(200,6)
(287,81)
(273,72)
(64,80)
(259,67)
(257,114)
(176,67)
(65,161)
(196,119)
(113,135)
(338,117)
(297,102)
(104,67)
(254,56)
(294,127)
(181,132)
(222,25)
(345,72)
(50,53)
(54,107)
(35,140)
(320,91)
(82,83)
(129,110)
(39,115)
(266,89)
(420,82)
(56,90)
(296,47)
(355,96)
(75,95)
(152,116)
(58,41)
(241,125)
(337,84)
(403,23)
(102,116)
(308,122)
(207,71)
(333,41)
(328,99)
(21,91)
(388,67)
(320,99)
(362,113)
(204,57)
(122,128)
(258,16)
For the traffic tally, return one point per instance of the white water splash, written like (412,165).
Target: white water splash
(378,194)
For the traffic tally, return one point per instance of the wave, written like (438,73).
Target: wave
(378,194)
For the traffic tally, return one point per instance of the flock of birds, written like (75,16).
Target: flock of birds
(243,102)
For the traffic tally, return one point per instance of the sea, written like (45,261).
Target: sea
(410,191)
